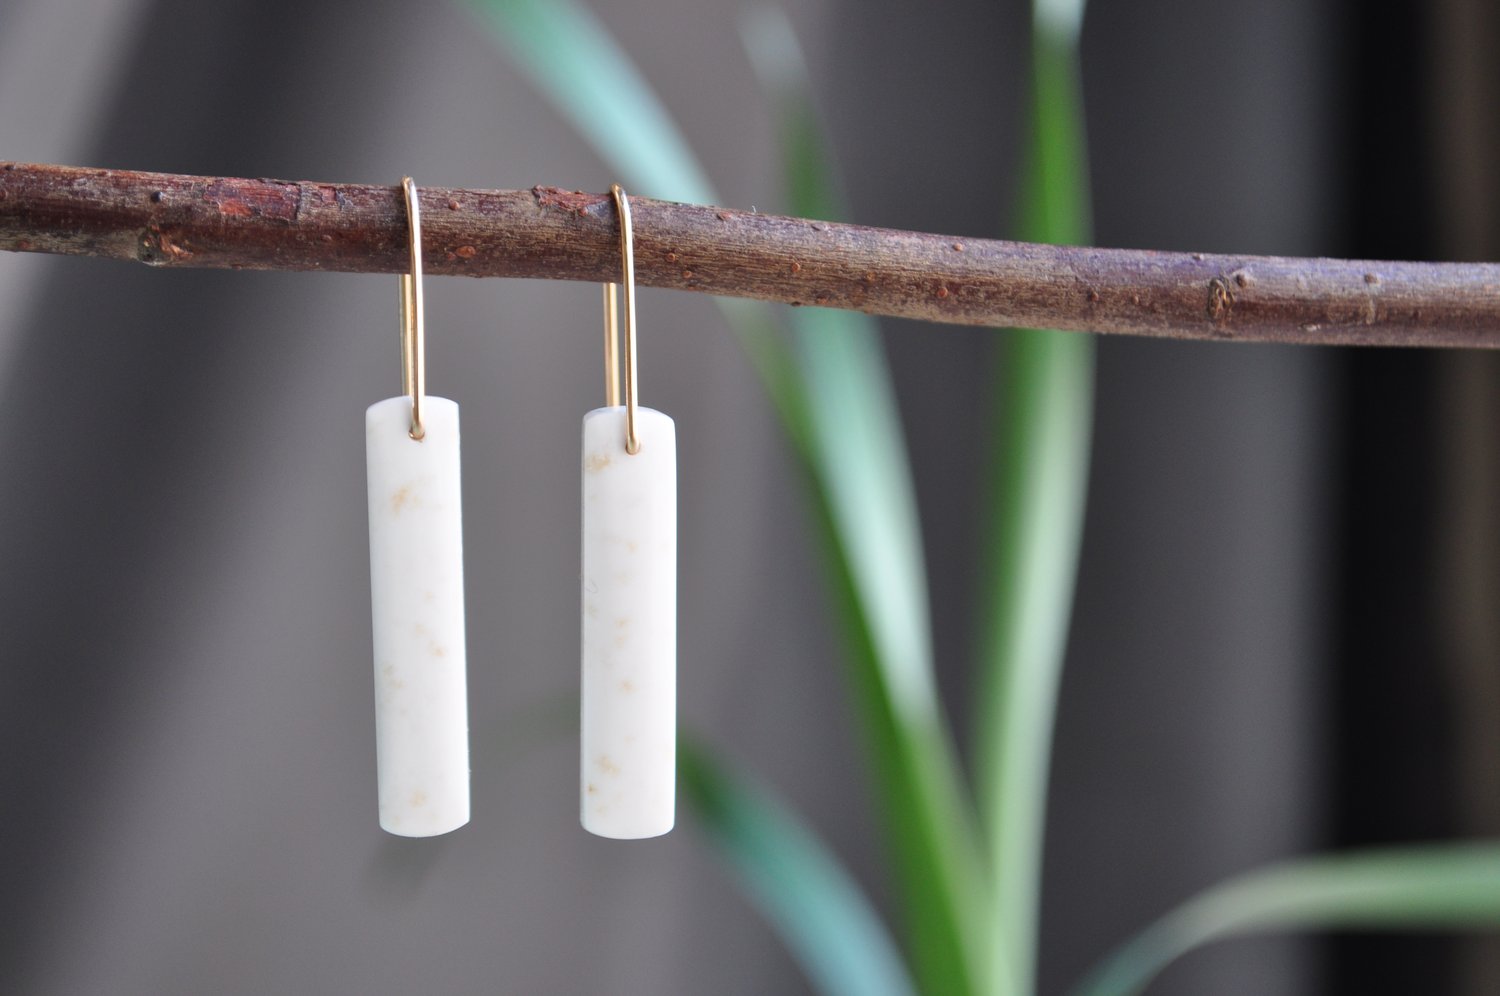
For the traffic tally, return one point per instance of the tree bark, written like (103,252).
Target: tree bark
(168,220)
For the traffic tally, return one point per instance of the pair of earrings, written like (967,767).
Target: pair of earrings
(627,775)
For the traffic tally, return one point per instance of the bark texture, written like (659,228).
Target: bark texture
(169,220)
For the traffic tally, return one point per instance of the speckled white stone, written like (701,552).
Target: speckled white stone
(417,601)
(629,744)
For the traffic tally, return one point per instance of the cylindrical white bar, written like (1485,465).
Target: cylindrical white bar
(417,602)
(629,744)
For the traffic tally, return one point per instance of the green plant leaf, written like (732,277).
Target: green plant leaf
(571,59)
(1432,887)
(794,880)
(1038,482)
(835,403)
(872,539)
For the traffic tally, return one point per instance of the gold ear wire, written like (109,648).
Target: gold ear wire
(413,339)
(612,326)
(611,347)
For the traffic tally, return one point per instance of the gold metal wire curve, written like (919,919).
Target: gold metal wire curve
(413,337)
(612,326)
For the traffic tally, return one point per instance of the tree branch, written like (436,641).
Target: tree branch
(168,220)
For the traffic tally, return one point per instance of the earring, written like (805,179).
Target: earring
(629,721)
(417,587)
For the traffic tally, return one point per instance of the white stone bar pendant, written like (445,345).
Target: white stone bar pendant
(417,601)
(629,744)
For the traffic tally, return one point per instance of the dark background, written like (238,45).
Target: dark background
(1285,636)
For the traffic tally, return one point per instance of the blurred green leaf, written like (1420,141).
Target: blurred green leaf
(1434,887)
(573,62)
(835,402)
(796,882)
(857,458)
(1038,482)
(1055,201)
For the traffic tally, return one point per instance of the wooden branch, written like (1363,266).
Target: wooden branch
(167,220)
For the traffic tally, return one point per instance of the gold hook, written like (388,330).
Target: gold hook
(413,340)
(611,347)
(612,326)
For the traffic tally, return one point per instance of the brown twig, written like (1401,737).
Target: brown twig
(167,220)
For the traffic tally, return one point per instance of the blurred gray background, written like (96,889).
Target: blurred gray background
(185,697)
